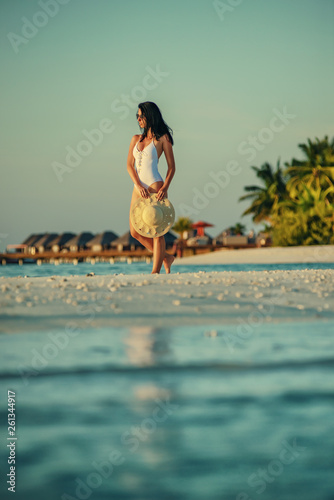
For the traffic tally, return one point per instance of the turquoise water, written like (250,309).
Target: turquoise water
(102,268)
(180,413)
(147,414)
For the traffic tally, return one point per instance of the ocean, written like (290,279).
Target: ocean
(183,413)
(103,268)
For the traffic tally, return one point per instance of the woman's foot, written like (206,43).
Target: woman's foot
(167,262)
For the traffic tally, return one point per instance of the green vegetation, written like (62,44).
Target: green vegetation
(238,229)
(182,224)
(297,202)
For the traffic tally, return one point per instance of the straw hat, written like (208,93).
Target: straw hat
(151,217)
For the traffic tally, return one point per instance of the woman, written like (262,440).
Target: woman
(142,164)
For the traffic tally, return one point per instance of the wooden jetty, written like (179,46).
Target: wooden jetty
(111,255)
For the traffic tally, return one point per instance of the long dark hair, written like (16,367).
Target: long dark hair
(154,121)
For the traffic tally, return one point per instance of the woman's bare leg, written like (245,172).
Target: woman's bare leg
(159,251)
(149,242)
(159,245)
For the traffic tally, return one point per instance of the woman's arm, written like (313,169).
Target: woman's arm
(168,150)
(131,169)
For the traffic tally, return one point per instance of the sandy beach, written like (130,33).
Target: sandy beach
(233,358)
(32,304)
(225,297)
(267,255)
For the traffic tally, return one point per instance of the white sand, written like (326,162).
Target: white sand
(165,300)
(268,255)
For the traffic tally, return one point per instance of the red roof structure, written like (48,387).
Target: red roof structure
(200,226)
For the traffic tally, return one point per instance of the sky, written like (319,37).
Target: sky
(240,83)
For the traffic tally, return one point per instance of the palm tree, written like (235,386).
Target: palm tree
(238,228)
(265,198)
(310,200)
(307,219)
(181,225)
(316,171)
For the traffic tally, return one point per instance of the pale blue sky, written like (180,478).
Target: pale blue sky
(222,79)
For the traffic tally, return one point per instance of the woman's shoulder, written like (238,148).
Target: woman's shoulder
(135,138)
(164,138)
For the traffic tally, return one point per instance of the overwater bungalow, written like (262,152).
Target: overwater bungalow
(78,242)
(57,244)
(126,242)
(41,244)
(30,241)
(102,241)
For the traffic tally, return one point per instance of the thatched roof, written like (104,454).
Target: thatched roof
(79,240)
(32,239)
(60,240)
(44,240)
(105,238)
(126,240)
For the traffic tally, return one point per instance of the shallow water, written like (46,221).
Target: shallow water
(102,268)
(182,413)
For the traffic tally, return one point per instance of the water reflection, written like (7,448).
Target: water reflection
(186,421)
(147,346)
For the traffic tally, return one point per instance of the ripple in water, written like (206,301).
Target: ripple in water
(173,413)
